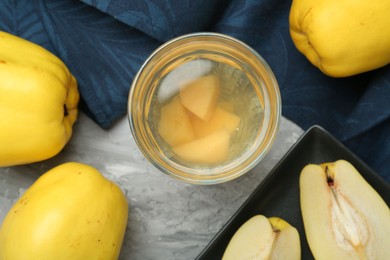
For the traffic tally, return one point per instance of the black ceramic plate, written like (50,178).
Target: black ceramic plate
(278,194)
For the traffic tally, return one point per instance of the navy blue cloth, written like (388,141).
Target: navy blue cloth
(104,43)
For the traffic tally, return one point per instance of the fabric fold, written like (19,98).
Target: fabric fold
(164,19)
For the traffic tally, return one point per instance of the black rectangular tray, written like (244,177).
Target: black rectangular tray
(278,194)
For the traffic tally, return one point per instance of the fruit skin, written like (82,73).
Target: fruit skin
(70,212)
(342,37)
(261,238)
(38,102)
(361,230)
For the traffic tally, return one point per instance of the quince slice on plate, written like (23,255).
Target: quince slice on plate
(264,238)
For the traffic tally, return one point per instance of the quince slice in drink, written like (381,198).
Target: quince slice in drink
(175,125)
(212,148)
(201,95)
(221,119)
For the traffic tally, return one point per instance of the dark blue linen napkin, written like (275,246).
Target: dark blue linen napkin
(104,43)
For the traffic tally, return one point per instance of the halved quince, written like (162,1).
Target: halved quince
(344,217)
(286,244)
(264,238)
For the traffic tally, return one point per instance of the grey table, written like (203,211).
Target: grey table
(168,219)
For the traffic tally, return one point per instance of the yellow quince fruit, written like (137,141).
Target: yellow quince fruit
(70,212)
(38,102)
(342,37)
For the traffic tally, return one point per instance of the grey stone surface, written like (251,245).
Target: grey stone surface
(168,219)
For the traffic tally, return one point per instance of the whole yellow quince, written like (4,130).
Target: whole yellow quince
(38,102)
(342,37)
(70,212)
